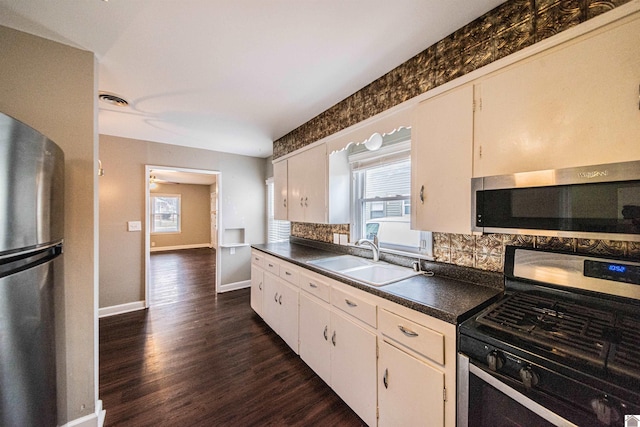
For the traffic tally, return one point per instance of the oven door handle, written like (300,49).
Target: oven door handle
(535,407)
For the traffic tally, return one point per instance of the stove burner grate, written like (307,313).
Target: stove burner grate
(560,326)
(625,357)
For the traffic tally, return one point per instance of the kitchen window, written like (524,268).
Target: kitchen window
(277,230)
(381,196)
(165,213)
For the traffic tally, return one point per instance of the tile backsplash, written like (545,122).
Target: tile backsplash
(508,28)
(485,252)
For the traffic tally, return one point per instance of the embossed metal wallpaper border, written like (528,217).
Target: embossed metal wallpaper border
(504,30)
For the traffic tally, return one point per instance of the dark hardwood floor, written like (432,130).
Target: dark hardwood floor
(195,358)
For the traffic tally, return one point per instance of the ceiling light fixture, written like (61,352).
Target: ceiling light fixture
(113,99)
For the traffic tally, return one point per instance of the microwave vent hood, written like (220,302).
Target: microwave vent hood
(594,202)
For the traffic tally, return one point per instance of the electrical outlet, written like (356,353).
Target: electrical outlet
(344,239)
(232,251)
(336,239)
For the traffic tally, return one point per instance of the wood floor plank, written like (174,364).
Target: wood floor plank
(196,358)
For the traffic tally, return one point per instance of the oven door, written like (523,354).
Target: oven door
(483,400)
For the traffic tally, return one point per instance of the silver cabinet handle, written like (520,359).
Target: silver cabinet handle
(280,300)
(350,303)
(284,202)
(260,285)
(385,378)
(313,285)
(407,332)
(275,297)
(305,201)
(256,258)
(301,201)
(271,265)
(333,338)
(326,329)
(422,194)
(287,273)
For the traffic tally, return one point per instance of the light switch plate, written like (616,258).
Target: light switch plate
(134,226)
(336,238)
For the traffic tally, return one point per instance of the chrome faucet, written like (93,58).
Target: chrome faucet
(375,248)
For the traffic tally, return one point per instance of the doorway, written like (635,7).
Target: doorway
(182,212)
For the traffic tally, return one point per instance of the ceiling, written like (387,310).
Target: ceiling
(235,75)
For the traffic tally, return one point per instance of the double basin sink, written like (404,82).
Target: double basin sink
(364,270)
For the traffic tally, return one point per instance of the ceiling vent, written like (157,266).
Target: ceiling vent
(113,99)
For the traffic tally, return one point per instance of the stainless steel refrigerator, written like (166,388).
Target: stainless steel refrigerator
(31,239)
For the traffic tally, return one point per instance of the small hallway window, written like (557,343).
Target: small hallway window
(165,213)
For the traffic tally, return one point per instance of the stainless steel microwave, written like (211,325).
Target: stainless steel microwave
(598,202)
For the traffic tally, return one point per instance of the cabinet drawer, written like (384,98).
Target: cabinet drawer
(289,273)
(257,259)
(354,306)
(271,265)
(315,287)
(412,335)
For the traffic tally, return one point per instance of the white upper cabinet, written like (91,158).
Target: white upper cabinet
(280,190)
(307,178)
(573,105)
(318,186)
(441,159)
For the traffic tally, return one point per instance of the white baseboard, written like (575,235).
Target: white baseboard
(121,308)
(179,247)
(234,286)
(92,420)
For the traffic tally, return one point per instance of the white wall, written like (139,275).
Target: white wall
(51,87)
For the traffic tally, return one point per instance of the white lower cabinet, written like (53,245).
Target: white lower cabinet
(342,353)
(257,287)
(315,324)
(389,363)
(353,366)
(280,308)
(410,391)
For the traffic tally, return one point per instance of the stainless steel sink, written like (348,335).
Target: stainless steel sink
(364,270)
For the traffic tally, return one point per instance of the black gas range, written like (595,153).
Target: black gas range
(562,347)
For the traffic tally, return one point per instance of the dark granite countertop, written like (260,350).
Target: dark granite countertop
(450,297)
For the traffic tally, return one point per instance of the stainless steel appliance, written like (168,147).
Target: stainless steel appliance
(561,347)
(598,202)
(31,238)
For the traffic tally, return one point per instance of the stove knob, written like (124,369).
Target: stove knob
(495,360)
(605,410)
(529,377)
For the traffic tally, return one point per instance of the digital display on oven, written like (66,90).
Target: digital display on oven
(618,272)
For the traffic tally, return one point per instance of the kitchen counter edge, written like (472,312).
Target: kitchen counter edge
(442,297)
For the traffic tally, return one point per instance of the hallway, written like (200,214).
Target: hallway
(200,359)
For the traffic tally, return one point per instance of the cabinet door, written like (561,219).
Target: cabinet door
(410,391)
(315,347)
(280,190)
(353,366)
(574,105)
(257,287)
(288,322)
(296,177)
(307,179)
(270,307)
(441,162)
(315,197)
